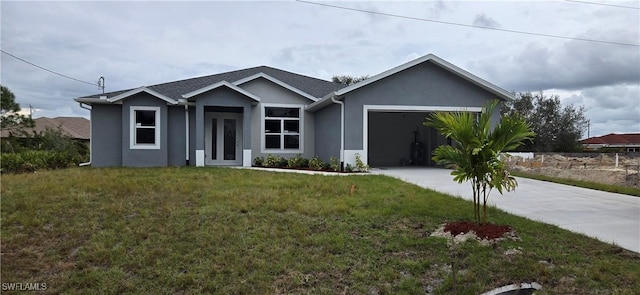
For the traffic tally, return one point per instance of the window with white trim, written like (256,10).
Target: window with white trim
(145,128)
(282,128)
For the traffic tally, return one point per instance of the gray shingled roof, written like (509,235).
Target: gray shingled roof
(175,89)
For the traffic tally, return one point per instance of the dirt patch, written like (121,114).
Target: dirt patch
(599,168)
(487,231)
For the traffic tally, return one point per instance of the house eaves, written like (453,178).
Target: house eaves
(140,90)
(321,103)
(278,82)
(93,100)
(218,85)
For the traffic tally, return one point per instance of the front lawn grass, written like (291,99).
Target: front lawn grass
(235,231)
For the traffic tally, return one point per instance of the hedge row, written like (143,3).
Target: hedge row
(315,163)
(32,160)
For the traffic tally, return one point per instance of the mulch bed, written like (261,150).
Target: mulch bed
(487,231)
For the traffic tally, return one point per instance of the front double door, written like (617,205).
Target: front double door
(223,139)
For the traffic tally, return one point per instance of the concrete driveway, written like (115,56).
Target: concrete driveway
(609,217)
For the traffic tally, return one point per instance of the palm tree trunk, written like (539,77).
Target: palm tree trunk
(476,201)
(484,204)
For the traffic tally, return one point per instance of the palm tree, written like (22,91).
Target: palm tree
(475,150)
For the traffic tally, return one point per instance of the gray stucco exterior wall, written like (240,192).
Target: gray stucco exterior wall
(425,84)
(176,136)
(106,135)
(144,157)
(192,135)
(327,133)
(270,92)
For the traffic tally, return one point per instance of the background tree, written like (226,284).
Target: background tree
(9,109)
(475,151)
(348,80)
(557,128)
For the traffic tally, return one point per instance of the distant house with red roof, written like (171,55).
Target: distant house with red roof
(628,142)
(77,128)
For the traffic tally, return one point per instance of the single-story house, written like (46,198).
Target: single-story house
(231,118)
(626,142)
(76,128)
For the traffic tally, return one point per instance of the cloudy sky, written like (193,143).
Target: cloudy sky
(135,44)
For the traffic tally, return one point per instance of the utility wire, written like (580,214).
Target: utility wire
(43,68)
(465,25)
(604,4)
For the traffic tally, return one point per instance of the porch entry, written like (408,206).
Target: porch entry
(223,138)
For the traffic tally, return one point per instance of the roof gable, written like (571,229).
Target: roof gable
(501,93)
(218,85)
(140,90)
(278,82)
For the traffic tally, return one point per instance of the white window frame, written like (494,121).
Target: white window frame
(132,129)
(281,150)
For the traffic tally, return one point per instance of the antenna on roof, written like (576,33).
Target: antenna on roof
(101,83)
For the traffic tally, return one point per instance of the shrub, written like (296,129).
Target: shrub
(316,163)
(348,168)
(298,162)
(49,149)
(282,162)
(360,166)
(271,161)
(32,160)
(334,164)
(258,161)
(275,161)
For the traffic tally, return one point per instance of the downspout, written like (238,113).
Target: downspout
(90,135)
(333,99)
(186,127)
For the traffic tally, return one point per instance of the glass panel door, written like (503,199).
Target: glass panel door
(223,138)
(214,139)
(229,139)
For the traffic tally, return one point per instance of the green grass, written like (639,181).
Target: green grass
(632,191)
(233,231)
